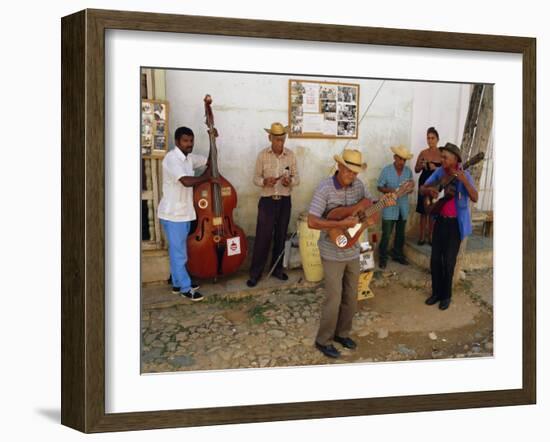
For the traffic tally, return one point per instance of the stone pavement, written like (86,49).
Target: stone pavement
(275,324)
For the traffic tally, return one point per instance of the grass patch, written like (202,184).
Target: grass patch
(226,301)
(256,313)
(300,290)
(467,285)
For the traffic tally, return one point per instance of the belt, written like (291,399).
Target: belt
(277,197)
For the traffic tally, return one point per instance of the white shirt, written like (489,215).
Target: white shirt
(177,200)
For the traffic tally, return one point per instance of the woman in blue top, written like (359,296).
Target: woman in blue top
(451,225)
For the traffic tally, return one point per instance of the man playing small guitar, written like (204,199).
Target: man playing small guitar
(340,263)
(391,177)
(452,222)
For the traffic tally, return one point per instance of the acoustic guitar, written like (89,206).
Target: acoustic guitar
(446,188)
(364,209)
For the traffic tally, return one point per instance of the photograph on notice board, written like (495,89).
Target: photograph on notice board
(154,126)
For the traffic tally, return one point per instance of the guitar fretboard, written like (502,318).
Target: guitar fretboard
(380,204)
(374,208)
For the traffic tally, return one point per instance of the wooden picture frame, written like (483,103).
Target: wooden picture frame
(83,220)
(291,106)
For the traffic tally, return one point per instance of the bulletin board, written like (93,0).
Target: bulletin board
(322,109)
(154,126)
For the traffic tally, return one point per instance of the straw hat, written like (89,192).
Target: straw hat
(402,152)
(277,129)
(352,159)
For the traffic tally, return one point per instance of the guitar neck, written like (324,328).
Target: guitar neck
(368,213)
(374,208)
(380,204)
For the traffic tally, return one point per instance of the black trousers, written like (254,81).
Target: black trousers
(445,246)
(272,223)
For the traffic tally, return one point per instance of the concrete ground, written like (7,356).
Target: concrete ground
(275,323)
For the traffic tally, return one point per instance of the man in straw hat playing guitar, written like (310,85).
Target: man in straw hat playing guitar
(340,265)
(391,177)
(276,173)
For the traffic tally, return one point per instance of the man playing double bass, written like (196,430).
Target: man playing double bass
(276,173)
(176,210)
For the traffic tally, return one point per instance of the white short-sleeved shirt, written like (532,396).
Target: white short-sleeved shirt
(177,200)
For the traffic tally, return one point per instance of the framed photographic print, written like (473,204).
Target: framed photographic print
(295,199)
(154,126)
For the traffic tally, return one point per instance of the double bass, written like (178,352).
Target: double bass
(217,247)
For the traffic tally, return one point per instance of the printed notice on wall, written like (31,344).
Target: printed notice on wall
(313,123)
(311,98)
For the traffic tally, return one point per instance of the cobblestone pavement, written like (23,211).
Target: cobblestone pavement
(278,328)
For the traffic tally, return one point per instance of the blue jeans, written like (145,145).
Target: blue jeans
(176,233)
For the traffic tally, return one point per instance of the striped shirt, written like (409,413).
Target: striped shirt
(390,178)
(328,195)
(270,165)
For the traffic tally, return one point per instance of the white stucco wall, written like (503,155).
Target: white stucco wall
(244,104)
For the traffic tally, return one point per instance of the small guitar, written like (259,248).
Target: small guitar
(365,209)
(446,189)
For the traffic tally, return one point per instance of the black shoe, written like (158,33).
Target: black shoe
(194,288)
(421,242)
(280,275)
(192,295)
(444,304)
(432,300)
(251,282)
(328,350)
(401,260)
(382,264)
(346,342)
